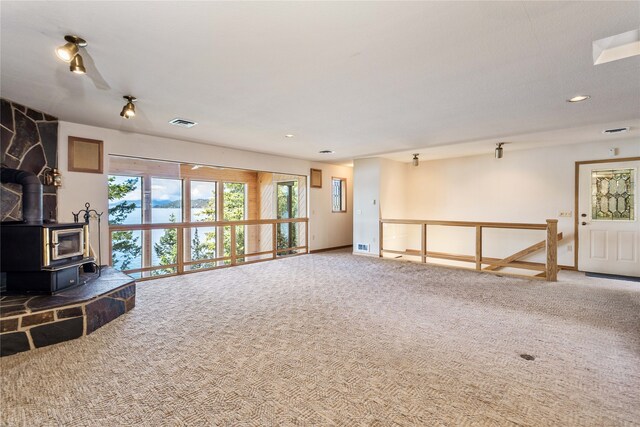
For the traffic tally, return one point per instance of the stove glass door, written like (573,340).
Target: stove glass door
(67,243)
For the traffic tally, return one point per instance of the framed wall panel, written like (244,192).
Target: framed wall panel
(85,155)
(315,178)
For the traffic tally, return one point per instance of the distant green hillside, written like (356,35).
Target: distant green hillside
(176,204)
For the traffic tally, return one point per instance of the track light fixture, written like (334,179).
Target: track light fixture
(499,150)
(129,110)
(77,65)
(416,161)
(68,52)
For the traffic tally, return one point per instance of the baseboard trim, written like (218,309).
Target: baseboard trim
(365,254)
(335,248)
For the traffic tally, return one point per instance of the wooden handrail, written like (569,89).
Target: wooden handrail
(550,244)
(164,225)
(524,226)
(233,257)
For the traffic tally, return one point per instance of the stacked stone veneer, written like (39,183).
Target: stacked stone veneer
(23,328)
(29,142)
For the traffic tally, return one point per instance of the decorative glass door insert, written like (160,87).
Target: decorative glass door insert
(612,195)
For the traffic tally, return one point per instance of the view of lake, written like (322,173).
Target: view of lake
(160,215)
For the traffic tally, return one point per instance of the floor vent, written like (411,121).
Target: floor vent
(182,122)
(527,357)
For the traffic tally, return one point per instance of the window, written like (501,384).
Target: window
(125,207)
(203,208)
(339,194)
(287,196)
(164,217)
(612,193)
(234,209)
(166,206)
(166,200)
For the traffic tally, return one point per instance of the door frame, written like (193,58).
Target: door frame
(576,238)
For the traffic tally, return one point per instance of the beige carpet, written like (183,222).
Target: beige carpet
(334,339)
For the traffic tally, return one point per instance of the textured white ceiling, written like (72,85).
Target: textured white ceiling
(357,77)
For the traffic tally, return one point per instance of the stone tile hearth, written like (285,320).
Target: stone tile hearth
(33,321)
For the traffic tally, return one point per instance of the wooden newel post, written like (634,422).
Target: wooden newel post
(552,250)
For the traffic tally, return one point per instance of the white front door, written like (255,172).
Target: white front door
(608,226)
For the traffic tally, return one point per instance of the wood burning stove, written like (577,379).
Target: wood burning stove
(38,257)
(43,258)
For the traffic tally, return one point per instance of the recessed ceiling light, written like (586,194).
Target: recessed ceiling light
(579,98)
(289,135)
(326,152)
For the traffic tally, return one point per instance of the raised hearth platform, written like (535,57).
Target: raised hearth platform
(28,321)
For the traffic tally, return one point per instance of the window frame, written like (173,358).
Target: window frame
(343,194)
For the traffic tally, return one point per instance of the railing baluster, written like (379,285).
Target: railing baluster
(274,239)
(233,244)
(478,247)
(552,250)
(423,249)
(180,249)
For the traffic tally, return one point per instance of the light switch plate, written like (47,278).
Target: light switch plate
(566,214)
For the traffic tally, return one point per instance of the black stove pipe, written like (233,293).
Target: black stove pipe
(31,193)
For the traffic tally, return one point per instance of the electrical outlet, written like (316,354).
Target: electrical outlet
(358,212)
(569,248)
(566,214)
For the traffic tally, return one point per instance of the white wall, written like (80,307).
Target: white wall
(393,203)
(340,232)
(367,174)
(524,186)
(79,188)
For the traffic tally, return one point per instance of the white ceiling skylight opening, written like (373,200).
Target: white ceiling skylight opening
(620,46)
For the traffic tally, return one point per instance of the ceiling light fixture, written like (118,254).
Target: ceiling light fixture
(129,110)
(499,150)
(77,65)
(289,135)
(579,98)
(415,160)
(68,52)
(326,152)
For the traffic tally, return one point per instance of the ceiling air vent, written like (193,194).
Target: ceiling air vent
(615,130)
(183,122)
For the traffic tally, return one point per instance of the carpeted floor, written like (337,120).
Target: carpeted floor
(335,339)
